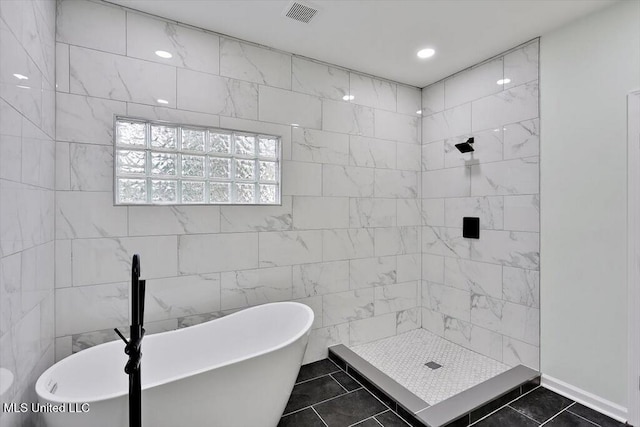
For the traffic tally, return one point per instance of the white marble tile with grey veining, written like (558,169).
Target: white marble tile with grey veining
(372,92)
(172,115)
(320,212)
(62,67)
(447,300)
(370,272)
(478,277)
(521,65)
(25,95)
(107,260)
(38,157)
(91,167)
(252,287)
(433,99)
(397,240)
(452,182)
(258,218)
(445,241)
(487,148)
(397,127)
(344,117)
(89,308)
(211,94)
(396,184)
(510,106)
(473,83)
(408,267)
(290,108)
(522,139)
(473,337)
(369,212)
(511,248)
(522,213)
(319,79)
(432,321)
(409,100)
(27,214)
(62,263)
(105,75)
(209,253)
(343,307)
(516,352)
(490,210)
(433,212)
(408,156)
(347,244)
(311,145)
(182,296)
(433,156)
(85,214)
(301,179)
(322,338)
(347,181)
(521,286)
(395,297)
(315,304)
(371,152)
(514,320)
(509,177)
(320,278)
(447,124)
(371,329)
(408,212)
(279,248)
(163,220)
(94,25)
(189,47)
(86,119)
(433,268)
(255,64)
(408,320)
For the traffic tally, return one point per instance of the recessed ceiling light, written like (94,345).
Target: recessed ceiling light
(295,125)
(419,112)
(503,81)
(162,101)
(20,77)
(23,87)
(348,97)
(163,54)
(426,53)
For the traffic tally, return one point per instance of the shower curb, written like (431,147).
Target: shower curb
(459,410)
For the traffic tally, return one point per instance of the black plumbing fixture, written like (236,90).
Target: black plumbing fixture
(134,345)
(465,147)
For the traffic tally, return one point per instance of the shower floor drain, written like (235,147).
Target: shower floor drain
(433,365)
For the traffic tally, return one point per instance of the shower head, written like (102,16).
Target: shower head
(465,147)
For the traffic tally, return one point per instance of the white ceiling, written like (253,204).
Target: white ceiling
(381,37)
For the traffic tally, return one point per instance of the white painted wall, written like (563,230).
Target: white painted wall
(587,70)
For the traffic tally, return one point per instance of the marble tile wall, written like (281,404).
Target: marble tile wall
(483,294)
(345,241)
(27,192)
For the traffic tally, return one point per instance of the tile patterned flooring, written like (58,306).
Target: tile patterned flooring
(403,358)
(326,396)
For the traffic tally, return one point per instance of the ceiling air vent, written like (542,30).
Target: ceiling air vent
(300,12)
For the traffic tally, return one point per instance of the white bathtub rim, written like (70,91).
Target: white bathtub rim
(42,391)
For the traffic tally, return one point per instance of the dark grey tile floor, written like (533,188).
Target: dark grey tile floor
(326,396)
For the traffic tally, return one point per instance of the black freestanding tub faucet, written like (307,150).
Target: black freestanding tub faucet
(134,345)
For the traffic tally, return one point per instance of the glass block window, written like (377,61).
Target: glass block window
(173,164)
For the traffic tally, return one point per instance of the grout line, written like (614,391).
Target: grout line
(579,416)
(523,414)
(503,406)
(328,374)
(321,419)
(339,383)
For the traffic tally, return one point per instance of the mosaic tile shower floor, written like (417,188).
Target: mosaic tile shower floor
(403,358)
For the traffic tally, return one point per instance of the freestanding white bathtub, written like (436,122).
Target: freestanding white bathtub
(238,370)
